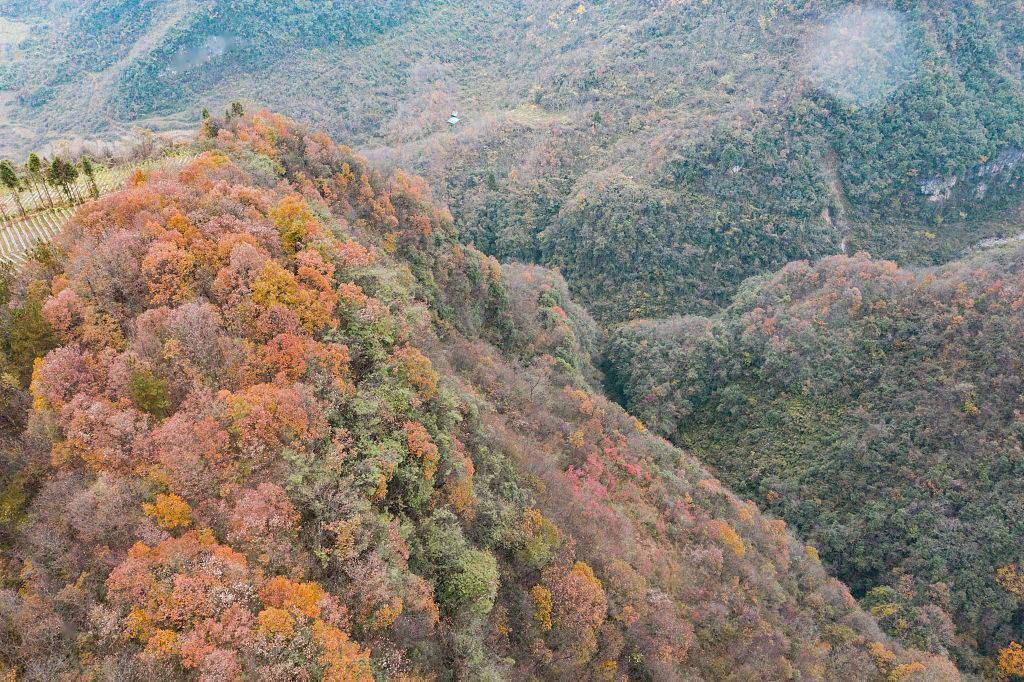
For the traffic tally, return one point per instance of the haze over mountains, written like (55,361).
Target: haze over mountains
(718,140)
(778,234)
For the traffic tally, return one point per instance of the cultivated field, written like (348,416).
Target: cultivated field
(18,235)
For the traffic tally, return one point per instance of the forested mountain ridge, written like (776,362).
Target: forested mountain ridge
(266,417)
(314,434)
(658,153)
(878,410)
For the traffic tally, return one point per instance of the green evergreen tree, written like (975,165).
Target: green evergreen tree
(33,188)
(149,392)
(63,175)
(34,166)
(30,335)
(10,180)
(90,174)
(209,129)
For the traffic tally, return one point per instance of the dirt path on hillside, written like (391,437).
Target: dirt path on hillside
(842,207)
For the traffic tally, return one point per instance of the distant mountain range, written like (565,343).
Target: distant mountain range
(657,152)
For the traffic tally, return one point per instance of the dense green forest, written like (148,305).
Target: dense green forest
(658,153)
(879,411)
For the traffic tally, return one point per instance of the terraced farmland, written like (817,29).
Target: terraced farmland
(18,235)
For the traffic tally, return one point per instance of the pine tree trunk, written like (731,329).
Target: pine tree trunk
(3,212)
(49,198)
(44,200)
(38,194)
(17,200)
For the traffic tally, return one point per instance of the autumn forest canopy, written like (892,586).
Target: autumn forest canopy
(689,347)
(268,418)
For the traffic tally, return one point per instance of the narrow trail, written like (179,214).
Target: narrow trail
(842,206)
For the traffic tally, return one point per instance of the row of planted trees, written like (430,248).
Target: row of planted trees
(38,176)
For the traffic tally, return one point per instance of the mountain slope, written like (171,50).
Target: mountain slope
(878,410)
(658,153)
(281,424)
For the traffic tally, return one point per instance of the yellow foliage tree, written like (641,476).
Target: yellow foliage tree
(294,222)
(1011,578)
(1011,660)
(728,537)
(169,511)
(541,607)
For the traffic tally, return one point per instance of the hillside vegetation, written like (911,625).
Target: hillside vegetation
(266,418)
(658,153)
(879,411)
